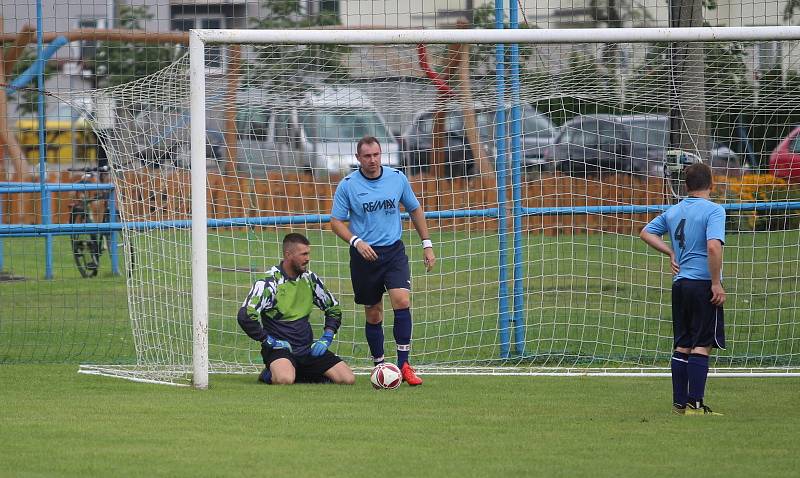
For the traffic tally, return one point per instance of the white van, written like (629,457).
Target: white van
(319,132)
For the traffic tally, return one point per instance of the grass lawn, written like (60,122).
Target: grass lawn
(56,422)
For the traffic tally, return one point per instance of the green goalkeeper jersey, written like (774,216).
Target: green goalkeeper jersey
(280,306)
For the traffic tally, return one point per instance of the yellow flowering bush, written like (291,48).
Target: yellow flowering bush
(757,188)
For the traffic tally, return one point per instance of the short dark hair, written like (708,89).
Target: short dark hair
(294,238)
(698,177)
(366,140)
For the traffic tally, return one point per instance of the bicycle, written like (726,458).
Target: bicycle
(91,207)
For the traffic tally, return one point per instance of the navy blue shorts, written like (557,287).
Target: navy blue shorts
(307,369)
(696,322)
(371,279)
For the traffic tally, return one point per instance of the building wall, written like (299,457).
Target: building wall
(745,13)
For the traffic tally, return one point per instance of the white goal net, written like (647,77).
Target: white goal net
(536,177)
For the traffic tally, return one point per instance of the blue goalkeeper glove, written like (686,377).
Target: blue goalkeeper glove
(320,346)
(272,343)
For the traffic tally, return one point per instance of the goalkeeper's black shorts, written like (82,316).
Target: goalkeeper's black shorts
(307,369)
(696,322)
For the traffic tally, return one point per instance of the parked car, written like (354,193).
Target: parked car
(256,151)
(592,143)
(628,143)
(784,162)
(318,132)
(417,140)
(650,140)
(159,137)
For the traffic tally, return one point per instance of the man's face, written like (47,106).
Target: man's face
(369,157)
(296,258)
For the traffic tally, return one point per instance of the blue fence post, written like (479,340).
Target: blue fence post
(113,252)
(45,194)
(2,207)
(504,321)
(48,239)
(516,187)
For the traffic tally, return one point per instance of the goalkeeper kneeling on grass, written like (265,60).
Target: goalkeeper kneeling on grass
(276,314)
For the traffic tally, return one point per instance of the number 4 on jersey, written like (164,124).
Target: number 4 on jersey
(679,235)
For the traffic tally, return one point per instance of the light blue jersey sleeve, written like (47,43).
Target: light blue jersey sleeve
(408,198)
(657,226)
(341,203)
(715,229)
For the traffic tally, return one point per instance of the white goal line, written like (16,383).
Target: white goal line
(129,373)
(547,35)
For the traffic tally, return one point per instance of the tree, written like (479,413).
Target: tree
(298,63)
(788,10)
(482,56)
(116,63)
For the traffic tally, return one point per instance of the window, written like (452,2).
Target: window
(333,125)
(610,133)
(253,123)
(282,121)
(769,55)
(649,132)
(330,7)
(794,147)
(425,124)
(185,22)
(320,8)
(85,49)
(582,134)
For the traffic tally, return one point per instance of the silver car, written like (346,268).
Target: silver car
(318,133)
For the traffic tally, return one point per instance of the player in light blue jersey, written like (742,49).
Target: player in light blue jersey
(696,228)
(370,199)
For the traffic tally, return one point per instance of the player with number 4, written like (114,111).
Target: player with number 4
(370,199)
(696,227)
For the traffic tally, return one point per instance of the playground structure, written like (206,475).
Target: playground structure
(13,185)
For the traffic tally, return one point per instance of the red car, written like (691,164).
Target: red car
(784,162)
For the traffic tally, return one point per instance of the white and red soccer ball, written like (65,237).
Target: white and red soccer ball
(386,376)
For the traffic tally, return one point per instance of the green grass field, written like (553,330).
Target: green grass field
(55,422)
(597,296)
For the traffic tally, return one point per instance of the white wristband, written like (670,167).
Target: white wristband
(427,243)
(353,239)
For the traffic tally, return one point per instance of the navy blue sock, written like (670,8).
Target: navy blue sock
(374,333)
(698,373)
(680,378)
(402,334)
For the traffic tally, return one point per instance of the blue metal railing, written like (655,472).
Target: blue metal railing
(27,230)
(45,228)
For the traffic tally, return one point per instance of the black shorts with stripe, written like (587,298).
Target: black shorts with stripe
(371,279)
(307,369)
(696,322)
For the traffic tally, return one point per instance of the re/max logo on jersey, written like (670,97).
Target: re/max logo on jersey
(378,205)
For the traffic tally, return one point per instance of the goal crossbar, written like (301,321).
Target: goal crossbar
(543,36)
